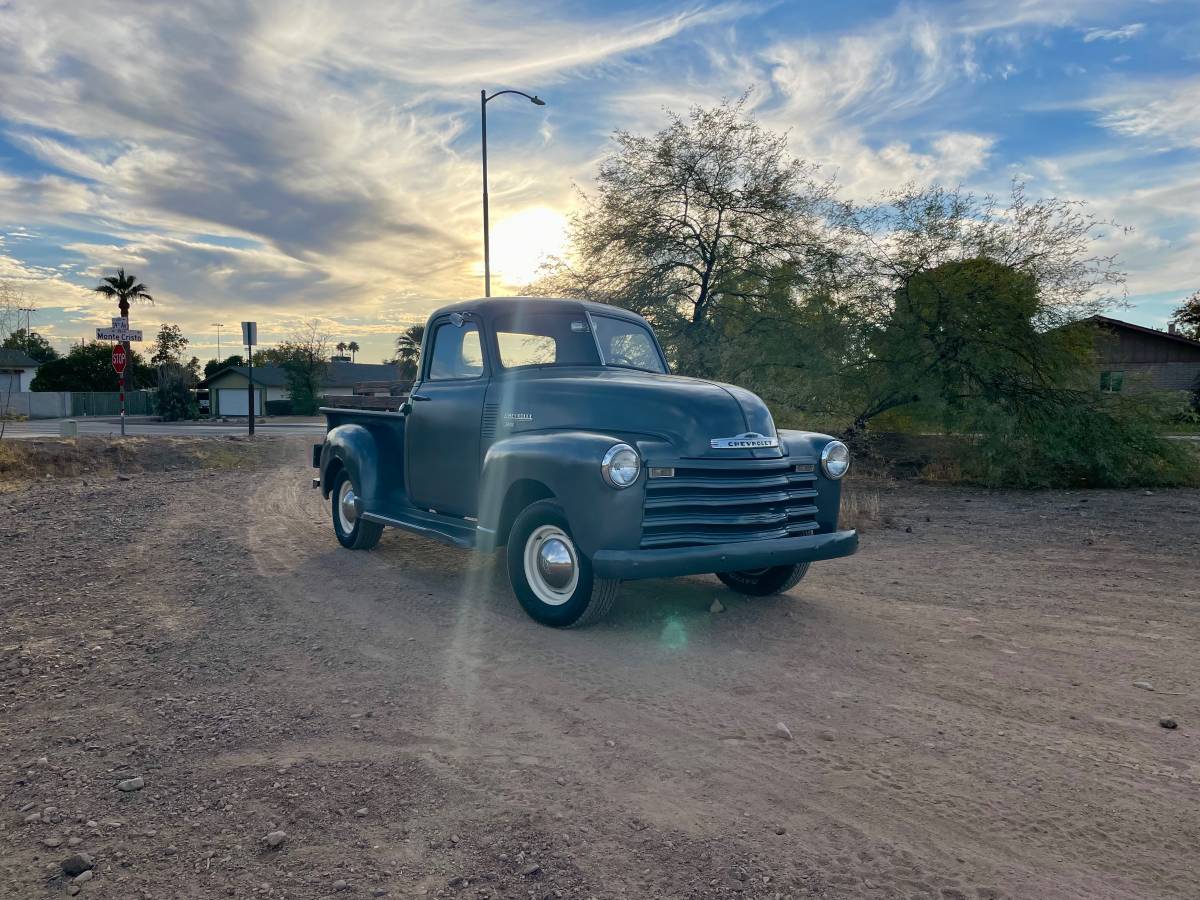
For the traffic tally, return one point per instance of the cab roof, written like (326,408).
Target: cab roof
(487,307)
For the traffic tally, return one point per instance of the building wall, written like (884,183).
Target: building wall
(1149,362)
(17,379)
(233,381)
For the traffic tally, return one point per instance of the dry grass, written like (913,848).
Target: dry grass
(28,460)
(861,507)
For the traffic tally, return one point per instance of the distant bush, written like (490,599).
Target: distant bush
(280,408)
(174,398)
(1093,441)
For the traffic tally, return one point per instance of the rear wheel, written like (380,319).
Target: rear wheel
(552,579)
(353,532)
(763,582)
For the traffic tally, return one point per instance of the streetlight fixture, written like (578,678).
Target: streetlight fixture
(487,253)
(218,326)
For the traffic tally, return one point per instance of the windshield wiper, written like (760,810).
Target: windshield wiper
(616,365)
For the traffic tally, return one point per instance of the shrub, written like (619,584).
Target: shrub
(174,397)
(1083,440)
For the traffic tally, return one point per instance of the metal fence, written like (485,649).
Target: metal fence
(108,403)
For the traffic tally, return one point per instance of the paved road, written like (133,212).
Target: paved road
(147,427)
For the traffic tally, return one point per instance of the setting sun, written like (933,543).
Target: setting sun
(521,243)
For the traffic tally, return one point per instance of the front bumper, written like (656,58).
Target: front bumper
(736,556)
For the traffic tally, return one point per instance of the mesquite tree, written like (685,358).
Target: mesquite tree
(707,213)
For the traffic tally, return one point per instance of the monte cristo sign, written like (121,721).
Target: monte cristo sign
(120,331)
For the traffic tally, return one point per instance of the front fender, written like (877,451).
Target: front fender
(568,465)
(354,447)
(806,446)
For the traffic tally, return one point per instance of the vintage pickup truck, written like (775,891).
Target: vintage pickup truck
(553,428)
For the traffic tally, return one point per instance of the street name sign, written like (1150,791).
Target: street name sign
(118,334)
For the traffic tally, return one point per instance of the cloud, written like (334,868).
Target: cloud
(1124,33)
(326,145)
(1161,111)
(290,160)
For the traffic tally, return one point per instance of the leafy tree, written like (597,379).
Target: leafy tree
(125,289)
(705,214)
(215,365)
(88,367)
(1187,317)
(408,350)
(169,346)
(304,358)
(32,344)
(353,348)
(271,356)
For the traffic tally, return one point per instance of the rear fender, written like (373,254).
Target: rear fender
(568,464)
(354,448)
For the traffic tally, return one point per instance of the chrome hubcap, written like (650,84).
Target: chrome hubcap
(551,565)
(555,563)
(347,506)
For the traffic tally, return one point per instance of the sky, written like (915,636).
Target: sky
(295,160)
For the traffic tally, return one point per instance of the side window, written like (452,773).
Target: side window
(1112,382)
(457,352)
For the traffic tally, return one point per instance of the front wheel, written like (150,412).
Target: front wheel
(763,582)
(552,579)
(353,532)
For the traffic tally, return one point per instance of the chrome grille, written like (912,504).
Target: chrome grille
(716,501)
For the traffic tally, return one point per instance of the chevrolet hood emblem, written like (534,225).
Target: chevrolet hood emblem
(749,440)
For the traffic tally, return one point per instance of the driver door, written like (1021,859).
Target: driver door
(442,428)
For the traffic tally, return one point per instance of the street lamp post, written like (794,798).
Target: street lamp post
(487,253)
(218,326)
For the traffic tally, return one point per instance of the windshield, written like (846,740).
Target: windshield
(565,339)
(627,344)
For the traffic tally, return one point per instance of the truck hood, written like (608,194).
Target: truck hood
(688,413)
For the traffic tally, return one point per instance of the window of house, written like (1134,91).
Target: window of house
(1112,382)
(457,352)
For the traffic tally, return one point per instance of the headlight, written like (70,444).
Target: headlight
(621,466)
(835,459)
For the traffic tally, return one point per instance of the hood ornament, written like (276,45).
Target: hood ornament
(749,440)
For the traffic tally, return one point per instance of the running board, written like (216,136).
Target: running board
(447,529)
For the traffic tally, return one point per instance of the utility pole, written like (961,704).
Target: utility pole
(218,326)
(28,310)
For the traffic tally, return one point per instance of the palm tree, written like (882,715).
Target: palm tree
(125,288)
(408,349)
(353,348)
(341,347)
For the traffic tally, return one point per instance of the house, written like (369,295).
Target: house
(228,394)
(1133,357)
(17,371)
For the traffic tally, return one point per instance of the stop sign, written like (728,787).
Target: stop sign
(118,359)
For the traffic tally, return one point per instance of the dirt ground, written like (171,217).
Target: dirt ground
(961,697)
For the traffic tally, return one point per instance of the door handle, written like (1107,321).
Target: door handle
(418,397)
